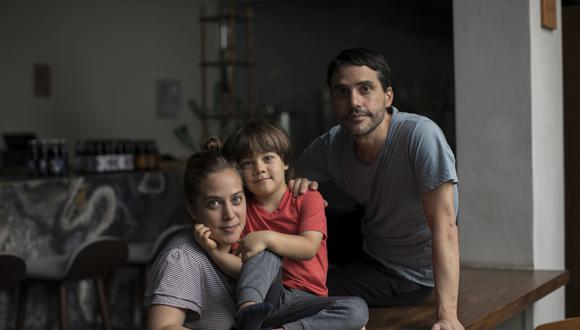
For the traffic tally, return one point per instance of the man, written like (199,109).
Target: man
(399,167)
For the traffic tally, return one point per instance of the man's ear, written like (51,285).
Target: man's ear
(389,96)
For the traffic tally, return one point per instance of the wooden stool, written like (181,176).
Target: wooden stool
(92,260)
(572,323)
(12,272)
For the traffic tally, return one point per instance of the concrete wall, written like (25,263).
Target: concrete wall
(105,57)
(548,156)
(494,145)
(510,141)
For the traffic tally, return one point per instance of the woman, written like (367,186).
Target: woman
(187,290)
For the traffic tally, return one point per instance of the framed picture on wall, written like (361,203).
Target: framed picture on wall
(168,98)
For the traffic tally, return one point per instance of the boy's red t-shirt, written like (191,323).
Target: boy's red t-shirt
(293,216)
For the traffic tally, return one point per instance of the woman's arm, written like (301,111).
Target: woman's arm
(298,247)
(226,262)
(163,317)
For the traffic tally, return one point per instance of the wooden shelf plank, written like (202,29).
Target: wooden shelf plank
(487,297)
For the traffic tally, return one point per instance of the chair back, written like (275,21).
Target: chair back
(572,323)
(96,258)
(165,237)
(12,271)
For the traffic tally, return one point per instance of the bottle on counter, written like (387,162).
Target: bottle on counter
(32,157)
(100,160)
(42,163)
(141,163)
(119,152)
(109,156)
(152,155)
(52,157)
(79,159)
(63,156)
(128,155)
(90,164)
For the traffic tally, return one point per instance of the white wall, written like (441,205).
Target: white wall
(106,57)
(508,80)
(548,156)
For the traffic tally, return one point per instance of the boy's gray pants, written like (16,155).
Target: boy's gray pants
(260,280)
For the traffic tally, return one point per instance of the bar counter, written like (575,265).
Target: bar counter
(41,217)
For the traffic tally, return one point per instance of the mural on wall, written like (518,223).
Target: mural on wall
(53,216)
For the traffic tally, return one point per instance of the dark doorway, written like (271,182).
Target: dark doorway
(571,54)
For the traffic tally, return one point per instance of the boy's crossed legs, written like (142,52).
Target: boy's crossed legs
(260,282)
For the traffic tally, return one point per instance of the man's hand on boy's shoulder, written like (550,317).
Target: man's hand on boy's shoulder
(299,186)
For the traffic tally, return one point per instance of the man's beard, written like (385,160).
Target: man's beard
(376,119)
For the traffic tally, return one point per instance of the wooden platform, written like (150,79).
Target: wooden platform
(487,297)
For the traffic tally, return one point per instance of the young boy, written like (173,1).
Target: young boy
(280,225)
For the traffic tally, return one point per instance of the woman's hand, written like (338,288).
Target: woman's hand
(201,234)
(253,243)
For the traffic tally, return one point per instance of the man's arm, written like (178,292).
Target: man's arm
(441,218)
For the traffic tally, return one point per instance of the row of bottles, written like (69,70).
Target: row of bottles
(99,156)
(49,157)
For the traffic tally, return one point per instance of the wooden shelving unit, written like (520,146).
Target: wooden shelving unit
(233,25)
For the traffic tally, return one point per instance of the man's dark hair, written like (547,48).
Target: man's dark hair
(361,57)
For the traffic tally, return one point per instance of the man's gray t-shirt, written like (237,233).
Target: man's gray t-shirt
(184,277)
(416,158)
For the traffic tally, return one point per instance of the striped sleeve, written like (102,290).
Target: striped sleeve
(175,281)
